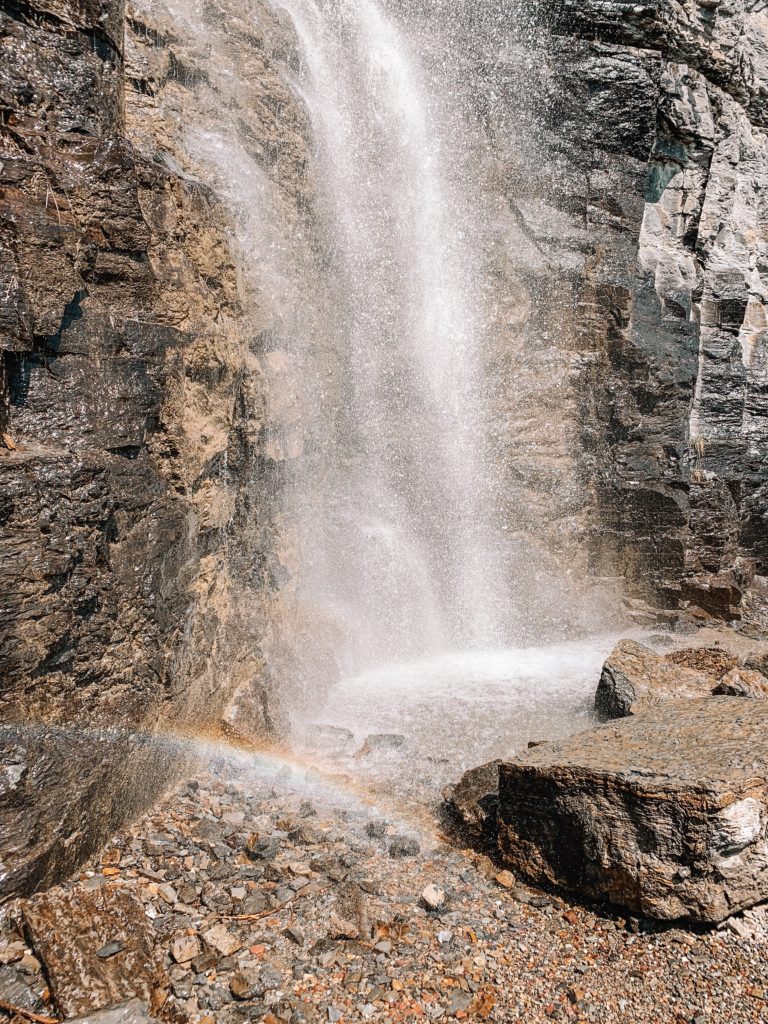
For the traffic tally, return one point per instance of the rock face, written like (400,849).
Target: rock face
(132,407)
(664,813)
(630,143)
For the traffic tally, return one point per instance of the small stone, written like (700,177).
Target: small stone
(404,846)
(444,937)
(376,829)
(334,1015)
(246,984)
(222,940)
(185,948)
(295,935)
(432,897)
(506,879)
(385,946)
(109,950)
(168,893)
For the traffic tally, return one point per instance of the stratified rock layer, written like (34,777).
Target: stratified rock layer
(132,446)
(664,813)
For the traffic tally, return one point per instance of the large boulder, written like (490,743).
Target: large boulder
(635,678)
(664,813)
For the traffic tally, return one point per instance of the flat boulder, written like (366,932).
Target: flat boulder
(635,678)
(664,813)
(96,946)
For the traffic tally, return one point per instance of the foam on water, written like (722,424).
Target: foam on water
(458,710)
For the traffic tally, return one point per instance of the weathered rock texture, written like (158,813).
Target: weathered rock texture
(635,679)
(136,477)
(664,813)
(97,947)
(631,149)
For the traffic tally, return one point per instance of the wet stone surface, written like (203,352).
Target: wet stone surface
(271,899)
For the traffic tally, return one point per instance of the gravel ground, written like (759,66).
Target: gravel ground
(282,898)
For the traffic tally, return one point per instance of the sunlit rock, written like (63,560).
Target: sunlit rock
(67,930)
(635,678)
(662,813)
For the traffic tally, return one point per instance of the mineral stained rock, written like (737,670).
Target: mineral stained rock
(68,930)
(664,813)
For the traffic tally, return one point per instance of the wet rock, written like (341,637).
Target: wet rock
(635,678)
(132,1012)
(664,813)
(381,742)
(743,682)
(16,989)
(67,929)
(474,801)
(330,738)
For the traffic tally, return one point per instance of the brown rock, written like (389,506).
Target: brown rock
(743,682)
(663,813)
(474,801)
(634,678)
(712,661)
(67,928)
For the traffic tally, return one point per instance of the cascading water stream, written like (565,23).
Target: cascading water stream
(396,534)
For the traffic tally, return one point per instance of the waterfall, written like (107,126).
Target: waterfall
(393,502)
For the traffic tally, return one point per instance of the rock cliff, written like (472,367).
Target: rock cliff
(136,514)
(630,151)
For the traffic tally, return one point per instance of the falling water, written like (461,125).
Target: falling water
(397,535)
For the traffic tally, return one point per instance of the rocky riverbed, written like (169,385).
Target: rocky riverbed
(275,894)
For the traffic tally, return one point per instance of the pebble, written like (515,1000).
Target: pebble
(404,846)
(185,948)
(432,897)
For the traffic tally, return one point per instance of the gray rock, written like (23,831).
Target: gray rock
(404,846)
(663,813)
(132,1012)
